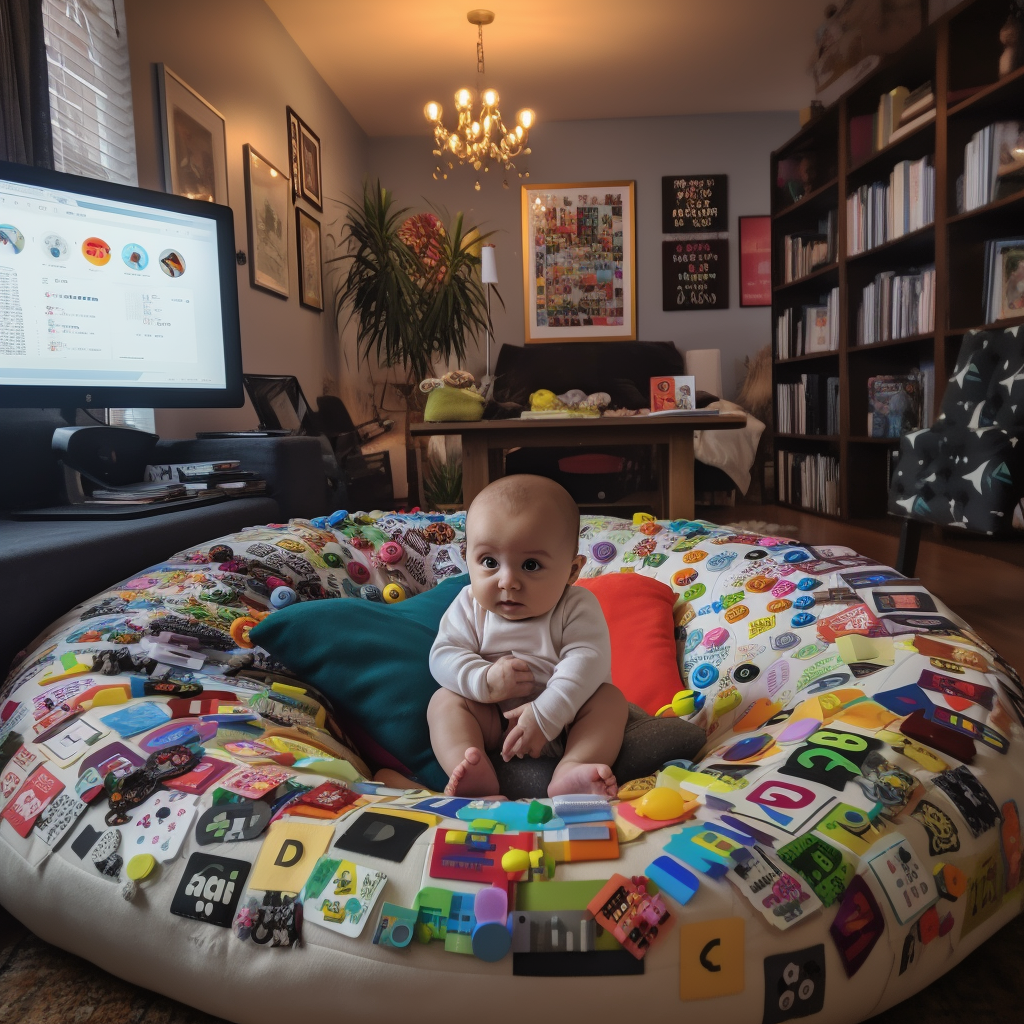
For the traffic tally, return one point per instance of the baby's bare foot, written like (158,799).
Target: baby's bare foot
(570,777)
(473,776)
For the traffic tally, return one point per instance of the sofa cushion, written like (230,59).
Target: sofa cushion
(370,659)
(639,614)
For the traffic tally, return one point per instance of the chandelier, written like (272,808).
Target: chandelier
(484,139)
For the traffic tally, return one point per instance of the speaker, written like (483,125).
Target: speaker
(112,455)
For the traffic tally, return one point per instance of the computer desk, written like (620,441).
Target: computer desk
(673,435)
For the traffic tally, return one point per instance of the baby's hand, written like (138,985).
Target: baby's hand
(510,677)
(525,737)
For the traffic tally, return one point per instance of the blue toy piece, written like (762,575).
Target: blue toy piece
(802,619)
(672,878)
(808,583)
(804,602)
(282,597)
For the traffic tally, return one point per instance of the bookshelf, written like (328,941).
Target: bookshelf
(959,54)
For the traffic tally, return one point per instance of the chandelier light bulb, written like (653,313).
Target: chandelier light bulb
(478,140)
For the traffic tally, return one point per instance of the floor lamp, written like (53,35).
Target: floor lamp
(488,277)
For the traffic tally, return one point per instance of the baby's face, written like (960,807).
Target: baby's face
(519,566)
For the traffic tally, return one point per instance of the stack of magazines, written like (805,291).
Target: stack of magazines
(993,165)
(897,306)
(206,478)
(809,481)
(137,494)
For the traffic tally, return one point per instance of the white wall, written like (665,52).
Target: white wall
(642,149)
(238,56)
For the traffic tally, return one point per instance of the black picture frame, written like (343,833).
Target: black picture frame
(266,221)
(311,279)
(305,162)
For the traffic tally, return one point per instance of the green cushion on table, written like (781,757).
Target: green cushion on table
(371,660)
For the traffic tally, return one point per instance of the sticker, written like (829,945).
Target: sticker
(778,605)
(784,641)
(69,744)
(736,613)
(255,780)
(821,865)
(851,827)
(289,854)
(204,775)
(758,626)
(381,835)
(136,718)
(970,797)
(159,825)
(856,619)
(210,889)
(903,601)
(343,903)
(711,955)
(857,926)
(268,919)
(794,984)
(907,884)
(233,823)
(943,837)
(781,802)
(985,890)
(58,818)
(782,588)
(38,790)
(886,783)
(830,758)
(114,758)
(1009,834)
(782,899)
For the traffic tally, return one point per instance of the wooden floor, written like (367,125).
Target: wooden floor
(43,985)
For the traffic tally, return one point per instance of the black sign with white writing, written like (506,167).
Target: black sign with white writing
(695,274)
(694,202)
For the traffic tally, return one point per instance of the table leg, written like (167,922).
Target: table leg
(474,467)
(680,474)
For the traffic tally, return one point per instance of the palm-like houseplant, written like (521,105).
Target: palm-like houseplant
(411,284)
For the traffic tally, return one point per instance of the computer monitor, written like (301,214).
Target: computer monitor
(112,296)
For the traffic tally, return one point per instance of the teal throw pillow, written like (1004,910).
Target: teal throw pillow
(371,661)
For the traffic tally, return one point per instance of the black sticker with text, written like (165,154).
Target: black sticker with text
(830,758)
(210,889)
(942,834)
(970,797)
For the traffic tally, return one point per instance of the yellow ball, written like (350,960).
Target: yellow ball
(393,593)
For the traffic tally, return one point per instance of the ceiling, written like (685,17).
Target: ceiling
(589,59)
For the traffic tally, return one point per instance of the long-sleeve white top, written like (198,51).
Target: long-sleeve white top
(568,650)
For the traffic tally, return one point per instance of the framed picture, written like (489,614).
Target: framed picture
(304,155)
(194,141)
(266,216)
(755,261)
(579,261)
(307,244)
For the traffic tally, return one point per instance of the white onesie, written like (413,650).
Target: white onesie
(568,650)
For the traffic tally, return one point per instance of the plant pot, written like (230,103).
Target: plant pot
(447,508)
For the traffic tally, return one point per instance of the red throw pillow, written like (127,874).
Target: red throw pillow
(639,614)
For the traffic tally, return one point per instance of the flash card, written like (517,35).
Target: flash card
(344,902)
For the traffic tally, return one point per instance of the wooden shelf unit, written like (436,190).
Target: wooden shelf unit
(958,51)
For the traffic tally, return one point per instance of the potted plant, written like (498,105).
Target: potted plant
(412,285)
(442,486)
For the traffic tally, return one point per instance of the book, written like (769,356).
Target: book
(861,137)
(174,471)
(890,109)
(685,412)
(912,126)
(920,100)
(678,392)
(816,329)
(894,404)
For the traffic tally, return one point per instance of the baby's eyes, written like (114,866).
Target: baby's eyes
(531,565)
(489,563)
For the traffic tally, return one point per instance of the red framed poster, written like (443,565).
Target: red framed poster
(755,261)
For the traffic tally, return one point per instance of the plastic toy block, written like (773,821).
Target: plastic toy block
(630,913)
(672,878)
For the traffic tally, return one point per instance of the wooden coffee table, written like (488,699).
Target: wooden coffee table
(674,435)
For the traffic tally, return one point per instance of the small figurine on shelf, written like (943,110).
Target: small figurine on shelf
(1010,36)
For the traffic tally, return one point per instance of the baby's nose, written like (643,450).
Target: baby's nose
(507,579)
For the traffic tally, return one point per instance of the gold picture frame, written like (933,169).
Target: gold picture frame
(572,294)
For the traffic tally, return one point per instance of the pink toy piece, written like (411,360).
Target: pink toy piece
(491,904)
(391,552)
(357,572)
(716,637)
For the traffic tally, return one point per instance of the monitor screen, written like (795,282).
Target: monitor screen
(114,296)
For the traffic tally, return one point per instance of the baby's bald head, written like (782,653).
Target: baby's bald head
(522,543)
(513,497)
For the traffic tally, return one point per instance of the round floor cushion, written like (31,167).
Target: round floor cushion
(178,808)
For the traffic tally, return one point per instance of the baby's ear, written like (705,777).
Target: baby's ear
(576,568)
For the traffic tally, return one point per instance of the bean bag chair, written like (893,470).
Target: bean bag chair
(183,810)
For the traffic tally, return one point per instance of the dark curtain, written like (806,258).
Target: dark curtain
(25,135)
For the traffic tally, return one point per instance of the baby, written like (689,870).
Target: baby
(521,649)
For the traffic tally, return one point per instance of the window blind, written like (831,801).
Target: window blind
(90,89)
